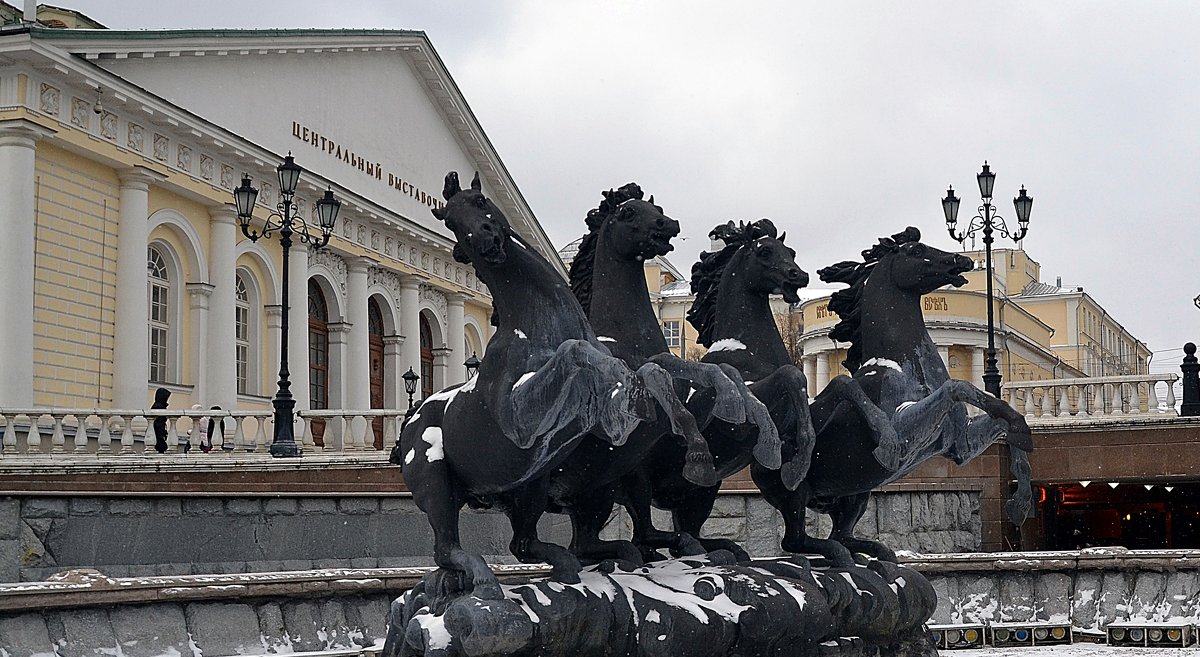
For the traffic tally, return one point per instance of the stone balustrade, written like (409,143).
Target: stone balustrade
(52,432)
(1051,401)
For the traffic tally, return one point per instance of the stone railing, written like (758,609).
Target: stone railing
(1092,398)
(116,432)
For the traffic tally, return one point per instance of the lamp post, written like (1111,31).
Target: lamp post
(988,222)
(410,384)
(288,223)
(472,365)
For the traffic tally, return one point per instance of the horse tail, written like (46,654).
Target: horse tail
(1021,502)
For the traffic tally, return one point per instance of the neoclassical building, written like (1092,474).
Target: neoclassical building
(1043,331)
(123,265)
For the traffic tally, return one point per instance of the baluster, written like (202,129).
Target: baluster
(1061,401)
(1026,396)
(149,437)
(306,435)
(173,444)
(104,438)
(81,439)
(33,440)
(127,435)
(1135,398)
(10,436)
(389,427)
(260,435)
(368,434)
(1171,395)
(1116,398)
(228,445)
(58,439)
(1152,397)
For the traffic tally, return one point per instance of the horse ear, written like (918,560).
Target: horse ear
(451,187)
(475,184)
(783,236)
(652,199)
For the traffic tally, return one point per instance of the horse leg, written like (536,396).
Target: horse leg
(767,449)
(1018,432)
(845,515)
(699,462)
(729,403)
(786,392)
(885,435)
(689,519)
(442,501)
(526,507)
(589,513)
(637,493)
(792,505)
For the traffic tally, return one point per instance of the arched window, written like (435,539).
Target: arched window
(246,382)
(161,310)
(318,347)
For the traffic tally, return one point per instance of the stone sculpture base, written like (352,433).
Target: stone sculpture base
(691,607)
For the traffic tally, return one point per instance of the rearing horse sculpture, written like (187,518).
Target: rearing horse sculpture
(545,385)
(915,412)
(608,277)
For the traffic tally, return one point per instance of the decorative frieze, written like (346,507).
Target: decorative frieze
(108,126)
(331,262)
(161,145)
(206,167)
(437,299)
(81,111)
(183,158)
(136,140)
(227,177)
(387,279)
(49,99)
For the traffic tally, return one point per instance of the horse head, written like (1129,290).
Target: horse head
(767,265)
(481,229)
(633,228)
(916,267)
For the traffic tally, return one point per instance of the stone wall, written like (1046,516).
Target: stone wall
(920,521)
(174,535)
(1089,588)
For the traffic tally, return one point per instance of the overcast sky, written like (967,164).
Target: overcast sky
(841,121)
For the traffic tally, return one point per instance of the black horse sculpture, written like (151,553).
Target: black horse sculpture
(915,410)
(739,281)
(504,439)
(608,273)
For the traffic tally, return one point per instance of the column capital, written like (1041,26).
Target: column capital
(273,310)
(389,340)
(359,264)
(139,178)
(224,213)
(339,327)
(198,294)
(412,281)
(454,298)
(22,132)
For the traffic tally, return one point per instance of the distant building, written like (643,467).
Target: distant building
(1043,331)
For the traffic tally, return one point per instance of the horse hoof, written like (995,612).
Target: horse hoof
(793,473)
(768,455)
(699,470)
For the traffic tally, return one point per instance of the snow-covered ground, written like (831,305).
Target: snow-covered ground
(1073,650)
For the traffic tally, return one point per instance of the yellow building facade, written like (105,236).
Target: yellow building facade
(123,263)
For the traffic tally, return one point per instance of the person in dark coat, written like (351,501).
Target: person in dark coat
(160,423)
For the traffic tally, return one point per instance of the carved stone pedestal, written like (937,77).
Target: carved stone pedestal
(693,607)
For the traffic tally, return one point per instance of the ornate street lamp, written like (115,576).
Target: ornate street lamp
(410,384)
(288,223)
(472,365)
(988,222)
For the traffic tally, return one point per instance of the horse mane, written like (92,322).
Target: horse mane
(582,265)
(707,272)
(847,303)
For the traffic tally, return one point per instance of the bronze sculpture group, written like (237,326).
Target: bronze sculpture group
(579,406)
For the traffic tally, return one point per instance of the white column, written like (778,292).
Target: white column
(339,335)
(18,188)
(358,339)
(810,373)
(393,384)
(269,383)
(410,324)
(977,365)
(456,337)
(944,352)
(298,325)
(822,370)
(198,321)
(222,272)
(131,356)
